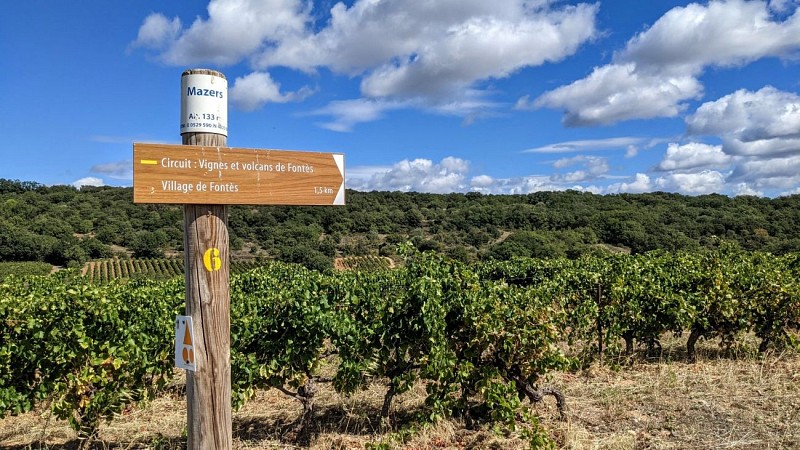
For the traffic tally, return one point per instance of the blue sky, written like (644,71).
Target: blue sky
(501,96)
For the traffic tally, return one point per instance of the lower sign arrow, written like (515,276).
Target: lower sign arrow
(236,176)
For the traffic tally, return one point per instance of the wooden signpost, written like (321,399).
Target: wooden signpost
(236,176)
(206,176)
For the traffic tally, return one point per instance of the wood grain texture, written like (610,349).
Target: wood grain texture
(208,303)
(205,174)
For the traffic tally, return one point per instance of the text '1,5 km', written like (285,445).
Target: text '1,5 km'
(235,176)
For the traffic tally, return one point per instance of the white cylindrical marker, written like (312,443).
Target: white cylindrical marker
(204,103)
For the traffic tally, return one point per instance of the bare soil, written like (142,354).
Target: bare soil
(720,402)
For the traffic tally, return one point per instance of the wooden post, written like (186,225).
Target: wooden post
(206,262)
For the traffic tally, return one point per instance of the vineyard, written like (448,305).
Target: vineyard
(23,268)
(482,338)
(105,270)
(363,263)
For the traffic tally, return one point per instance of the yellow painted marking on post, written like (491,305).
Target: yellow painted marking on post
(149,162)
(211,260)
(188,348)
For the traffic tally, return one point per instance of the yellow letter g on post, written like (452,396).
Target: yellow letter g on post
(211,260)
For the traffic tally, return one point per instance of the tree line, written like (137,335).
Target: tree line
(65,226)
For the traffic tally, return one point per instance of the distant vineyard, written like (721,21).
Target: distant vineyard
(367,263)
(105,270)
(23,268)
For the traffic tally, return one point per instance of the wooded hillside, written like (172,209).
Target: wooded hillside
(65,226)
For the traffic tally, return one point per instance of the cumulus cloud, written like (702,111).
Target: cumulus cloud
(234,29)
(448,40)
(481,182)
(721,33)
(641,183)
(619,92)
(693,156)
(482,42)
(525,185)
(417,175)
(253,91)
(746,189)
(88,181)
(157,31)
(434,53)
(704,182)
(593,167)
(774,172)
(451,174)
(762,123)
(658,70)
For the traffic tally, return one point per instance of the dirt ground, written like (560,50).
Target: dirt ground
(720,402)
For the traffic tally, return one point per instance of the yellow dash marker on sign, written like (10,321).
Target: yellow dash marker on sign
(149,162)
(211,260)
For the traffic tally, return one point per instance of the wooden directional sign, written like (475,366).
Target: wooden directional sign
(235,176)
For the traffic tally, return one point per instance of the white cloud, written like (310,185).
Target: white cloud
(347,113)
(766,113)
(693,156)
(157,31)
(760,131)
(768,173)
(456,39)
(234,29)
(588,144)
(746,189)
(88,181)
(431,54)
(619,92)
(761,123)
(594,167)
(762,147)
(418,175)
(524,185)
(704,182)
(721,33)
(524,103)
(451,174)
(481,182)
(258,88)
(641,183)
(468,103)
(657,71)
(455,50)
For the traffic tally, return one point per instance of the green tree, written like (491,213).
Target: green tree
(148,244)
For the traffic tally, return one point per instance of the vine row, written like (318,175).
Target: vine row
(481,338)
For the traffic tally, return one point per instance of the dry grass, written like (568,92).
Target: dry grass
(717,403)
